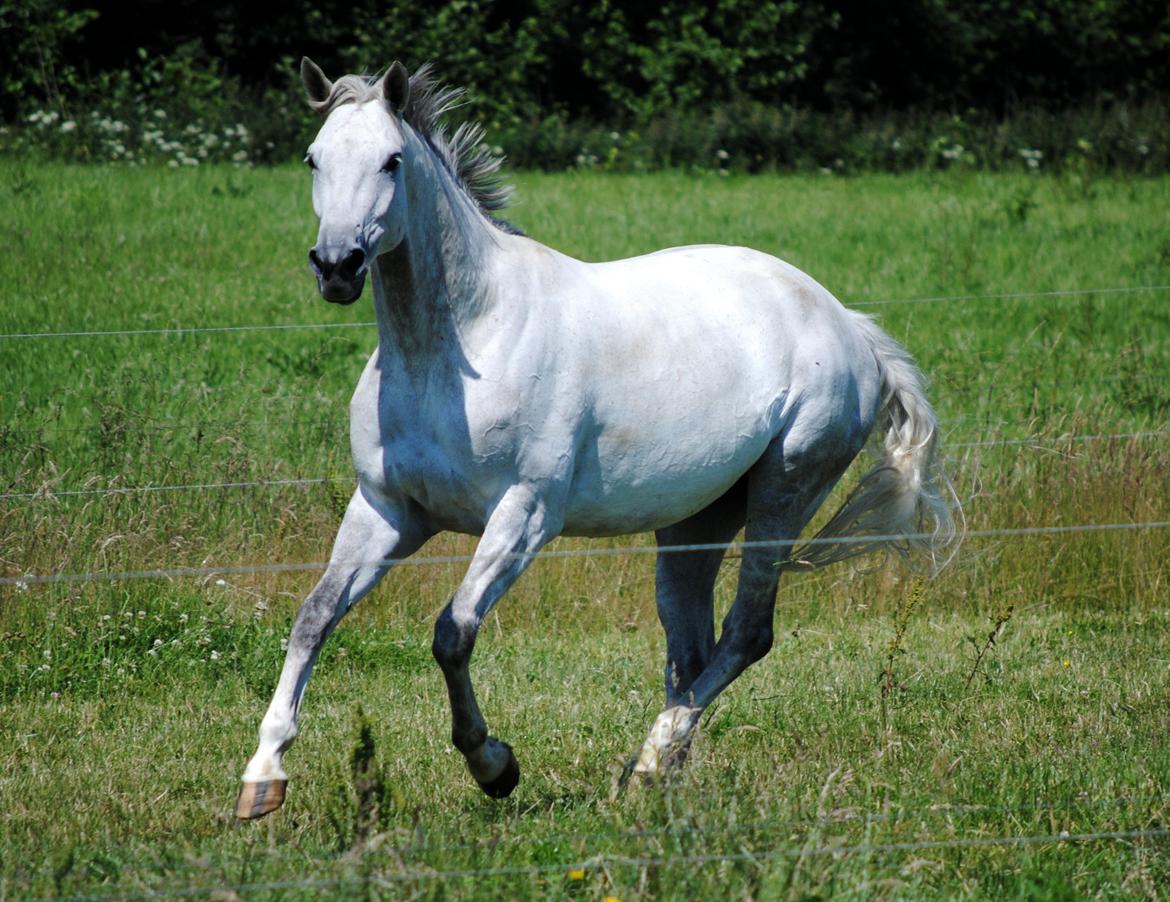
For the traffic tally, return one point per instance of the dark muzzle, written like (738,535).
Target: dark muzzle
(340,273)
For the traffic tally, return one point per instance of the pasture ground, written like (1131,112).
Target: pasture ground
(886,747)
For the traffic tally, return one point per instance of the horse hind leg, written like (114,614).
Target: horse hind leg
(783,493)
(685,586)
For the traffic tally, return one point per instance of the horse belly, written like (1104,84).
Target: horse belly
(649,472)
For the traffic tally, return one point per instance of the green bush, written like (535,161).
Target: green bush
(754,137)
(730,85)
(179,110)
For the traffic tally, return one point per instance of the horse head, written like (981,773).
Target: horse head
(356,161)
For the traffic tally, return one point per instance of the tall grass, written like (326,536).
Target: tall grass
(129,706)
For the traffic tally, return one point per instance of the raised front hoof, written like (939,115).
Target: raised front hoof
(501,786)
(258,799)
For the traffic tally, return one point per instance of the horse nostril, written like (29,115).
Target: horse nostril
(319,266)
(328,268)
(348,268)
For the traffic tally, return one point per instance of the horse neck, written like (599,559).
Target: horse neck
(431,287)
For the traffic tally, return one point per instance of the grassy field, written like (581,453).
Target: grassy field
(887,747)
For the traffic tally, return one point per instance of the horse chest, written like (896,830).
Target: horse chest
(423,445)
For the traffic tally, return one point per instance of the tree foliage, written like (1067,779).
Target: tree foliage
(541,67)
(609,59)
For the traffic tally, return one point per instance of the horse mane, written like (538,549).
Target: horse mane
(473,165)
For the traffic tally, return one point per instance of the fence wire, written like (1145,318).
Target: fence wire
(180,331)
(578,868)
(393,881)
(47,493)
(25,581)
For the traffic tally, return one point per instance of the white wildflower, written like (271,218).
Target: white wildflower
(1031,157)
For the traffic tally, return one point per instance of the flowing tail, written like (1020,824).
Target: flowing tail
(906,504)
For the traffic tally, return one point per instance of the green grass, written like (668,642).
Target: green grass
(128,708)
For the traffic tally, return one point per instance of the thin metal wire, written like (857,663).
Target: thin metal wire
(777,826)
(48,494)
(603,861)
(1014,295)
(186,330)
(24,582)
(600,861)
(1038,441)
(233,889)
(957,298)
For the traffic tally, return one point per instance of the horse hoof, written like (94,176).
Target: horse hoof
(501,786)
(258,799)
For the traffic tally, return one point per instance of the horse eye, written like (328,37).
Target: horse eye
(392,162)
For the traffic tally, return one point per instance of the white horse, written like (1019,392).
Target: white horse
(518,394)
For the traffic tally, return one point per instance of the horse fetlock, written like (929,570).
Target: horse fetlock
(496,759)
(669,741)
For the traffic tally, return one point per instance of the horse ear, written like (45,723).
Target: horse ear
(317,86)
(396,87)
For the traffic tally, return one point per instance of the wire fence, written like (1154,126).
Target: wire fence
(889,815)
(1068,809)
(48,493)
(779,545)
(396,869)
(1017,295)
(577,869)
(331,418)
(182,331)
(393,880)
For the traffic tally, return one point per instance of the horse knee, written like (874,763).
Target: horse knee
(314,621)
(453,642)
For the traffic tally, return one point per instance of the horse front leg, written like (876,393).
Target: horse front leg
(516,530)
(370,536)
